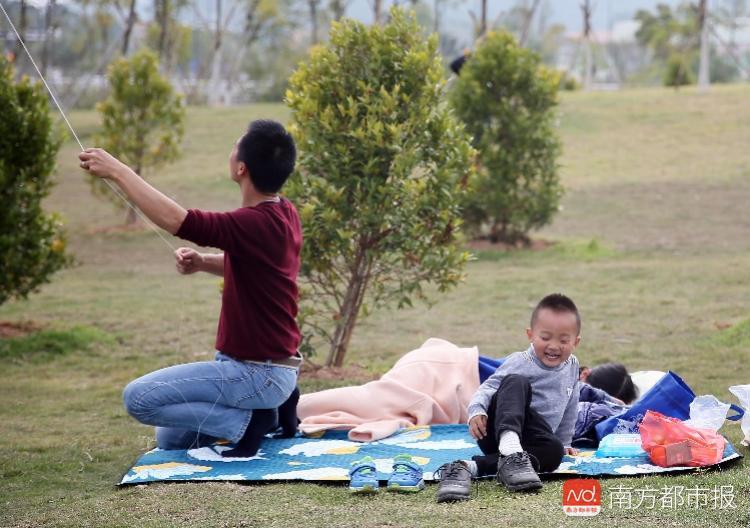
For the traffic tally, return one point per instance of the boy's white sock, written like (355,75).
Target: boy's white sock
(509,443)
(472,467)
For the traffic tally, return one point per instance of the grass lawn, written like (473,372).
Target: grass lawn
(653,244)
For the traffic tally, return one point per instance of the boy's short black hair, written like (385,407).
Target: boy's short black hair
(557,302)
(268,151)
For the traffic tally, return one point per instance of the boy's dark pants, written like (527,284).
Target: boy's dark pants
(510,410)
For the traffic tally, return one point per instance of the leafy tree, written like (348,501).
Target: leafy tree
(32,243)
(382,165)
(678,72)
(142,118)
(506,99)
(667,32)
(176,44)
(674,36)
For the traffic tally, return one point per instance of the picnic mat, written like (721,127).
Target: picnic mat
(327,458)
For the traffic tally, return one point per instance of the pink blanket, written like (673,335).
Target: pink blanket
(430,385)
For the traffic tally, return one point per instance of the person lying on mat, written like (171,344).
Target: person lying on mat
(255,370)
(523,416)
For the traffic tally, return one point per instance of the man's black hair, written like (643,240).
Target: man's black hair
(458,63)
(557,302)
(268,151)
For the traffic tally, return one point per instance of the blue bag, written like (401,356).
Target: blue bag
(488,366)
(670,396)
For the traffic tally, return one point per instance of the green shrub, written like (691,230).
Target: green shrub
(678,72)
(506,98)
(142,118)
(32,243)
(381,168)
(48,343)
(568,83)
(735,336)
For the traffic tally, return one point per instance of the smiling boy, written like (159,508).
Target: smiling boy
(523,416)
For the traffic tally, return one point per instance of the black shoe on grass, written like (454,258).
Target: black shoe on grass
(455,482)
(517,473)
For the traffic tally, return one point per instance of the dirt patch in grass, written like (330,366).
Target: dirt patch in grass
(10,329)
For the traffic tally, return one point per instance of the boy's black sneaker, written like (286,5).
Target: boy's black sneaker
(517,473)
(455,482)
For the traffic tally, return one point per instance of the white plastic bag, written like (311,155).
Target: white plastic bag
(707,412)
(743,394)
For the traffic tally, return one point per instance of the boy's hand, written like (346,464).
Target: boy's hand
(572,451)
(478,426)
(188,260)
(100,163)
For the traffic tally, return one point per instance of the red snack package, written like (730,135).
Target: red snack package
(669,442)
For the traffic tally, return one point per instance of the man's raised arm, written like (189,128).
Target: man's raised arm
(160,209)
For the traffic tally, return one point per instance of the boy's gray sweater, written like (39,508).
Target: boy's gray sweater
(554,394)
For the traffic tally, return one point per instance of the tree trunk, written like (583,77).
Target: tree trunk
(703,71)
(378,11)
(313,6)
(588,72)
(588,55)
(483,19)
(162,13)
(213,85)
(337,9)
(48,34)
(131,217)
(527,19)
(129,23)
(254,25)
(22,24)
(350,310)
(436,17)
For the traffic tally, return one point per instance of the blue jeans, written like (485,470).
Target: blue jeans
(199,403)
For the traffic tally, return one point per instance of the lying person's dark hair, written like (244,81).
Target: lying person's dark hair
(613,378)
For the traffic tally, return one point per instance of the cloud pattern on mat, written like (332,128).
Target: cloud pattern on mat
(330,456)
(164,471)
(315,448)
(438,445)
(321,473)
(213,454)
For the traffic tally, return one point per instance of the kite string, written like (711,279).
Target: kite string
(23,44)
(114,190)
(72,130)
